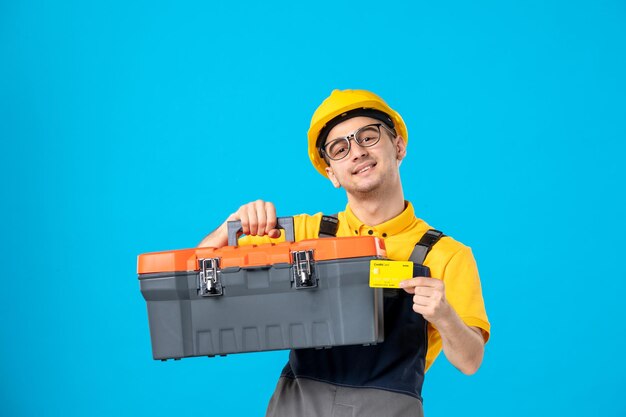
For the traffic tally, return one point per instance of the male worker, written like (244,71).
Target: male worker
(358,142)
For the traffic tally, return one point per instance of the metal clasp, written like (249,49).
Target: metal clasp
(303,272)
(209,282)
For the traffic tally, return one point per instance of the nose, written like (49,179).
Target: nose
(357,151)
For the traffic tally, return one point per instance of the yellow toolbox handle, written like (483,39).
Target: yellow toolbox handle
(285,223)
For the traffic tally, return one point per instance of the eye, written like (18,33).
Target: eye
(339,151)
(337,148)
(368,136)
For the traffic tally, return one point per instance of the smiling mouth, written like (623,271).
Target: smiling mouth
(364,169)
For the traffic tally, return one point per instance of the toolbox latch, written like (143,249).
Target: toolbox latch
(303,272)
(208,279)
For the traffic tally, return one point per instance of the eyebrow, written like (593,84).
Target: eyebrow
(351,134)
(336,139)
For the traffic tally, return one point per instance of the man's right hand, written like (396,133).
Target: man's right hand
(258,218)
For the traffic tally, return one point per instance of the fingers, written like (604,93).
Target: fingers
(418,282)
(429,298)
(424,291)
(244,218)
(270,225)
(422,300)
(266,215)
(258,218)
(422,295)
(423,309)
(432,308)
(410,290)
(253,219)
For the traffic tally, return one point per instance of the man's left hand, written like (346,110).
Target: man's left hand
(429,298)
(463,345)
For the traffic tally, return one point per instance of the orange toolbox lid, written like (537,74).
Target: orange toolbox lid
(261,255)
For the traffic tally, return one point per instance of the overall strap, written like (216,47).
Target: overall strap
(424,246)
(328,226)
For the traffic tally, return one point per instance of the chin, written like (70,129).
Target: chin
(367,188)
(374,185)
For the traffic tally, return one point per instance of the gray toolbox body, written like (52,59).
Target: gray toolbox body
(313,299)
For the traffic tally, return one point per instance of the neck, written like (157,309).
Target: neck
(379,206)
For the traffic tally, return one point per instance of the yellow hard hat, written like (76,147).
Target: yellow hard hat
(338,104)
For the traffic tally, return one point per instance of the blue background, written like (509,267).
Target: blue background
(135,127)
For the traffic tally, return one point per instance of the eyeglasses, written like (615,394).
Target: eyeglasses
(365,136)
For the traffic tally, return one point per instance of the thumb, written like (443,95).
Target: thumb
(233,216)
(406,287)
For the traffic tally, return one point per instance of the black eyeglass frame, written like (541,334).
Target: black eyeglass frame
(354,136)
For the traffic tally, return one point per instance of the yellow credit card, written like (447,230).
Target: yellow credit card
(388,274)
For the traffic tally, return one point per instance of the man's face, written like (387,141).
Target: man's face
(366,169)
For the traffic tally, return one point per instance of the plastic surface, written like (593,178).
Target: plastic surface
(260,309)
(261,255)
(262,305)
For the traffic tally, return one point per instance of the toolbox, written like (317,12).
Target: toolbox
(235,299)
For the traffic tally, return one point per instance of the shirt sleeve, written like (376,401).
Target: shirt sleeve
(464,293)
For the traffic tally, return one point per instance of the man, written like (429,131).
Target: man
(358,142)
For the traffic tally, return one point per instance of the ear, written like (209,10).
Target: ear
(332,178)
(400,148)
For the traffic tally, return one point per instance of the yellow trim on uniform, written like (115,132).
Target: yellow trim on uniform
(449,260)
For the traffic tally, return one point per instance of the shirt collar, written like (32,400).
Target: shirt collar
(389,228)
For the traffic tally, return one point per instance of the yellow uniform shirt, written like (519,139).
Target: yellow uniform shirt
(448,260)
